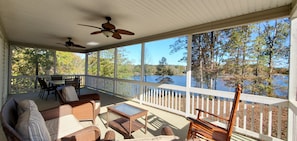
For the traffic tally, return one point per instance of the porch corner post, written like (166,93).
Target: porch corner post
(292,125)
(86,69)
(55,62)
(115,74)
(188,73)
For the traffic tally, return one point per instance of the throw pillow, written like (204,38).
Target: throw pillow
(69,94)
(25,105)
(31,126)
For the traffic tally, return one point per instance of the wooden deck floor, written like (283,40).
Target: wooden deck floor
(156,118)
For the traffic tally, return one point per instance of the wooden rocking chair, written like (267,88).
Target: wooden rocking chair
(202,128)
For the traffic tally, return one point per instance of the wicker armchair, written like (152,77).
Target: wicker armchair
(11,116)
(86,100)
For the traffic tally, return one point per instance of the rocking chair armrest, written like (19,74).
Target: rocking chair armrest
(199,110)
(200,122)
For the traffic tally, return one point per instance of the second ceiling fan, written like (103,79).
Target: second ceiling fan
(109,29)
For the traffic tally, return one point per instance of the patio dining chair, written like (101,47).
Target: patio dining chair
(45,87)
(209,131)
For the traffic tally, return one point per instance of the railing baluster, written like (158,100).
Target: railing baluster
(175,98)
(202,105)
(172,99)
(261,119)
(179,101)
(197,103)
(244,115)
(279,121)
(219,107)
(252,117)
(192,104)
(225,108)
(207,105)
(269,121)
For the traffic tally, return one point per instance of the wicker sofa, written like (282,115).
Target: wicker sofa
(22,121)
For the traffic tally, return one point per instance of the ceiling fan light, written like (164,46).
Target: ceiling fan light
(92,43)
(107,33)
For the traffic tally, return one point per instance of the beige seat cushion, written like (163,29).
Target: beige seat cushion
(63,126)
(31,126)
(69,94)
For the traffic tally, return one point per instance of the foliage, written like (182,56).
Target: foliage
(107,63)
(25,60)
(125,68)
(246,54)
(69,63)
(164,71)
(92,63)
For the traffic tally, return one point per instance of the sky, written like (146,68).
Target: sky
(154,52)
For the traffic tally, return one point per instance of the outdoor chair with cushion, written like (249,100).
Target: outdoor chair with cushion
(209,131)
(21,121)
(68,95)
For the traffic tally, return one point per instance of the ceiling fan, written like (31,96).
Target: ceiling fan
(109,29)
(69,44)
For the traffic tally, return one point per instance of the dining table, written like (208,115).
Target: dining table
(57,82)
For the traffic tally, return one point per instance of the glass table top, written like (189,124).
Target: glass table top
(127,109)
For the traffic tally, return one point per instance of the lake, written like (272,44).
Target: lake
(280,82)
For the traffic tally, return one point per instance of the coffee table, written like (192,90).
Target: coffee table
(128,114)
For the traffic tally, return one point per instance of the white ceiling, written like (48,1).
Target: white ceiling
(43,23)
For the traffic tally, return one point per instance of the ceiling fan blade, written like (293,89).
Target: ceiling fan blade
(122,31)
(116,35)
(96,32)
(61,44)
(76,45)
(90,26)
(108,26)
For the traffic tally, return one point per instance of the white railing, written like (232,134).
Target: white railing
(261,117)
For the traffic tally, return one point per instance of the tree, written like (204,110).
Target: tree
(272,37)
(69,63)
(164,71)
(27,60)
(107,63)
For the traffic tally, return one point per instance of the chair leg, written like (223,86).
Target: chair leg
(40,93)
(48,92)
(56,95)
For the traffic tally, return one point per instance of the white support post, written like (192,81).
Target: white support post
(115,70)
(142,74)
(55,62)
(188,81)
(98,63)
(86,68)
(292,132)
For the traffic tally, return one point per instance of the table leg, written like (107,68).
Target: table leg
(130,124)
(107,119)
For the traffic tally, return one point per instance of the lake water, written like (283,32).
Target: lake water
(280,82)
